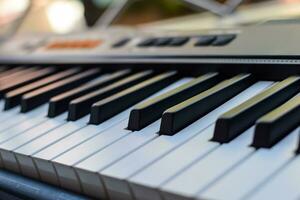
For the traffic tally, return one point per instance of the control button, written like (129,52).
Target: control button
(74,44)
(147,42)
(179,41)
(160,42)
(121,43)
(205,40)
(222,40)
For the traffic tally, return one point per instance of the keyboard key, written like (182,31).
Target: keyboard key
(20,127)
(112,105)
(185,113)
(275,125)
(25,79)
(23,154)
(15,72)
(17,118)
(205,40)
(222,40)
(149,111)
(298,149)
(10,71)
(13,98)
(237,120)
(7,148)
(81,106)
(60,103)
(37,97)
(282,185)
(14,77)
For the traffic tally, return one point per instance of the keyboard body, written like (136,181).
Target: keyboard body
(149,114)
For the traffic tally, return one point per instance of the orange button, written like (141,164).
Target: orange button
(74,44)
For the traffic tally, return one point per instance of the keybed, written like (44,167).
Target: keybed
(148,134)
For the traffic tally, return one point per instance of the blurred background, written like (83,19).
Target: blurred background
(67,16)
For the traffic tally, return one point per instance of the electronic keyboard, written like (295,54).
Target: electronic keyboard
(152,115)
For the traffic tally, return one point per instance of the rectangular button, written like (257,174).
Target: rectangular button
(205,40)
(222,40)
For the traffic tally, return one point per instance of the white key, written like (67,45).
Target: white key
(253,172)
(5,115)
(283,185)
(204,172)
(7,148)
(24,153)
(121,171)
(43,158)
(20,117)
(20,128)
(30,120)
(65,161)
(87,170)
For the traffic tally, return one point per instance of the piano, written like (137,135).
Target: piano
(153,115)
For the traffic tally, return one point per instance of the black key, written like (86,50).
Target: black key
(182,115)
(37,97)
(147,42)
(160,42)
(10,72)
(115,104)
(13,98)
(298,149)
(16,74)
(25,79)
(232,123)
(205,40)
(60,103)
(222,40)
(81,106)
(121,43)
(178,41)
(3,68)
(151,110)
(277,124)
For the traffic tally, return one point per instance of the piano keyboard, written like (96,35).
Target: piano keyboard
(152,135)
